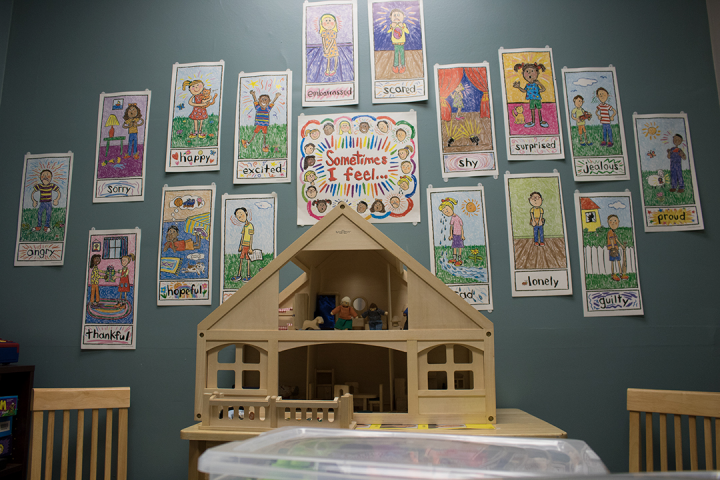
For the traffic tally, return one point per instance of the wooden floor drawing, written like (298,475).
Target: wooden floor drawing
(530,256)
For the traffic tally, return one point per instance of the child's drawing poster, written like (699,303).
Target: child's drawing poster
(330,72)
(459,250)
(595,124)
(466,122)
(111,281)
(540,263)
(608,255)
(369,161)
(666,169)
(121,147)
(262,129)
(44,208)
(186,236)
(248,239)
(530,100)
(397,51)
(193,140)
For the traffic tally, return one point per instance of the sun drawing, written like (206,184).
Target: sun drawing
(651,130)
(471,207)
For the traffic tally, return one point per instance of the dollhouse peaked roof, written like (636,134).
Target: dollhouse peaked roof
(255,305)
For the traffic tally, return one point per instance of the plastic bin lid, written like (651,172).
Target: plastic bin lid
(334,454)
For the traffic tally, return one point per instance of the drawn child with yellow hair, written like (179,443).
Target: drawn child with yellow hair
(457,234)
(328,32)
(199,102)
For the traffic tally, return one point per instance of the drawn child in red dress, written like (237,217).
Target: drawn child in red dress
(200,100)
(124,285)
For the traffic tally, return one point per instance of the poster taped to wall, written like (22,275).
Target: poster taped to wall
(666,169)
(459,250)
(397,51)
(121,147)
(185,251)
(193,139)
(595,124)
(330,58)
(111,290)
(608,254)
(466,120)
(44,209)
(369,161)
(262,129)
(248,239)
(530,101)
(540,260)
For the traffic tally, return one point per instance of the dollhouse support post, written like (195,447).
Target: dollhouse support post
(412,377)
(392,378)
(389,305)
(272,372)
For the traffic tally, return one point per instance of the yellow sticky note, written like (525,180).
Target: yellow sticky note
(422,427)
(375,426)
(481,426)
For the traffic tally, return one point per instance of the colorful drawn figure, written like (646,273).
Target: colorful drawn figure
(457,98)
(395,202)
(172,242)
(374,316)
(364,127)
(124,285)
(377,206)
(345,313)
(311,191)
(613,246)
(132,120)
(676,156)
(457,232)
(383,126)
(309,148)
(315,133)
(95,275)
(533,88)
(310,177)
(400,134)
(405,152)
(537,219)
(329,32)
(580,115)
(245,247)
(309,162)
(263,105)
(344,127)
(46,189)
(362,207)
(199,102)
(406,166)
(404,182)
(321,205)
(398,29)
(328,128)
(606,113)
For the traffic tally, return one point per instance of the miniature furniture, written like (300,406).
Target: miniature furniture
(676,403)
(340,390)
(107,141)
(51,400)
(18,380)
(377,401)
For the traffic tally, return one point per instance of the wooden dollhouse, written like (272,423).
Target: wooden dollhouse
(441,369)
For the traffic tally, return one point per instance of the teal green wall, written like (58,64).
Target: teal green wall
(552,362)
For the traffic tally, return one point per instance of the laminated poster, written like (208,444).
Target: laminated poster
(397,51)
(185,264)
(595,124)
(608,259)
(465,120)
(193,140)
(330,73)
(248,239)
(540,263)
(262,129)
(44,207)
(369,161)
(111,281)
(460,255)
(666,169)
(121,147)
(530,101)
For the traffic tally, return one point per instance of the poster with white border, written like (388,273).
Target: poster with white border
(466,120)
(111,290)
(193,137)
(537,235)
(398,62)
(44,209)
(121,147)
(330,54)
(608,254)
(249,239)
(530,104)
(186,245)
(666,170)
(595,124)
(459,246)
(262,128)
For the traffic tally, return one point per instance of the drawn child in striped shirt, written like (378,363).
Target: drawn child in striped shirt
(263,105)
(46,189)
(606,113)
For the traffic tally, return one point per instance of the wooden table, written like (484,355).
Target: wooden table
(511,422)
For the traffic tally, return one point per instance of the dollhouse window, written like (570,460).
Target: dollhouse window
(437,380)
(437,356)
(250,379)
(462,354)
(451,367)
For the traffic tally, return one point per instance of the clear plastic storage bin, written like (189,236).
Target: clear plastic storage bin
(331,454)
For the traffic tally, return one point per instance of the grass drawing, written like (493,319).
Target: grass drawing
(605,282)
(472,256)
(276,141)
(232,262)
(184,126)
(29,222)
(662,196)
(594,133)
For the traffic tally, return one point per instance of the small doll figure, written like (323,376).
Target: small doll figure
(345,314)
(374,316)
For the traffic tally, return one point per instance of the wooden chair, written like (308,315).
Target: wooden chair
(80,399)
(377,402)
(676,403)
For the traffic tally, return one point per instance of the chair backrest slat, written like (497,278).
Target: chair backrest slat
(80,398)
(122,443)
(36,446)
(701,404)
(79,444)
(663,443)
(707,428)
(648,442)
(65,445)
(678,443)
(94,445)
(49,441)
(108,442)
(692,428)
